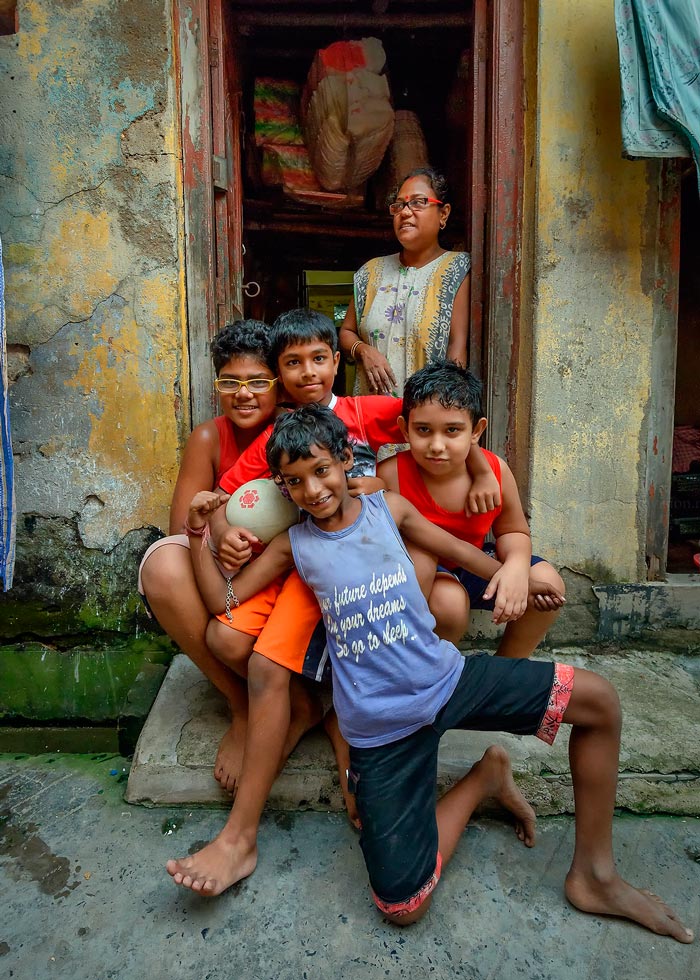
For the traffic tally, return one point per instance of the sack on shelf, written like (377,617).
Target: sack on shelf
(347,114)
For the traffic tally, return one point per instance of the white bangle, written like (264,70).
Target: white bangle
(354,348)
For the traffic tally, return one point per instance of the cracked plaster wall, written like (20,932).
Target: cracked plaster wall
(596,217)
(90,217)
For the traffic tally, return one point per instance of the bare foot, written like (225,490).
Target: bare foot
(500,785)
(617,897)
(229,757)
(215,868)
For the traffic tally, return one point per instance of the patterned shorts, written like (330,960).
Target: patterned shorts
(395,784)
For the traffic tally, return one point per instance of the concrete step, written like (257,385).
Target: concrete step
(659,759)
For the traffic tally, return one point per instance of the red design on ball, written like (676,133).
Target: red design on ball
(249,499)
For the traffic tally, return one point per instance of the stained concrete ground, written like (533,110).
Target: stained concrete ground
(84,893)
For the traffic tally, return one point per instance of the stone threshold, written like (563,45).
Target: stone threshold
(659,759)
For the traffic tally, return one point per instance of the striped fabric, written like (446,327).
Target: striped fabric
(7,487)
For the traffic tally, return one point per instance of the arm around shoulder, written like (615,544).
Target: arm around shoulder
(387,471)
(484,493)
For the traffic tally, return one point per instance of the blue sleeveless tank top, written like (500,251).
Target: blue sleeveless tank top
(391,673)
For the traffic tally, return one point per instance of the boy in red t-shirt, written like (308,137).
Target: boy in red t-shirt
(441,419)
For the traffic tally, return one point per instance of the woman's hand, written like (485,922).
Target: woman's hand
(380,377)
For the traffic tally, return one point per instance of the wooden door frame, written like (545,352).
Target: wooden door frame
(505,129)
(663,366)
(496,193)
(210,186)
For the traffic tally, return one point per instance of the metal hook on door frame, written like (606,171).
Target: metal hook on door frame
(252,288)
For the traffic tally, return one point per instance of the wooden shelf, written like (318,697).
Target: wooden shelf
(265,216)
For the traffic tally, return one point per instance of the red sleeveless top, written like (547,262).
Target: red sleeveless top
(228,447)
(467,527)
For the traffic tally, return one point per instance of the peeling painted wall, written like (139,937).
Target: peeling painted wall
(594,305)
(91,220)
(90,217)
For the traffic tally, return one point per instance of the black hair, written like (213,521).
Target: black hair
(296,432)
(437,181)
(301,326)
(445,382)
(244,338)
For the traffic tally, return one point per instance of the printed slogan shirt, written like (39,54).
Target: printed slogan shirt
(391,673)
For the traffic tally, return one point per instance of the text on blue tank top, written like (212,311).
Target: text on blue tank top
(391,674)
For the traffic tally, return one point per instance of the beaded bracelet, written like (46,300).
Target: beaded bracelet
(231,598)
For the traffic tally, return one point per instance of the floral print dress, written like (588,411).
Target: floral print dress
(406,312)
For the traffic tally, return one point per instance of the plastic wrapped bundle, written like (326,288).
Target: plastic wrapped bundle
(288,167)
(347,115)
(276,110)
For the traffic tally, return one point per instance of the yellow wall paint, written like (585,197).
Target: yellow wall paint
(132,437)
(34,28)
(83,256)
(592,317)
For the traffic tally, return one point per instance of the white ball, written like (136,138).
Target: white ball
(260,507)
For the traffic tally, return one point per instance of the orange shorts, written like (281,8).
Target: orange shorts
(286,619)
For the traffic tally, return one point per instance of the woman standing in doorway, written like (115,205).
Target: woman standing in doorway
(411,307)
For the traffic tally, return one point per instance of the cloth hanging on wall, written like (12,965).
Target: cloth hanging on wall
(659,47)
(7,486)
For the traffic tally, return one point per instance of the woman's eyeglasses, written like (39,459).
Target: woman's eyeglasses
(256,386)
(414,203)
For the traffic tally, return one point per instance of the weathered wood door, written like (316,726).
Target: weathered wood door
(210,107)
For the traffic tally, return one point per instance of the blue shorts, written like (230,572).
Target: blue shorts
(475,586)
(395,785)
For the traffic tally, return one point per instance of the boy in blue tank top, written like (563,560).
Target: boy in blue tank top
(398,687)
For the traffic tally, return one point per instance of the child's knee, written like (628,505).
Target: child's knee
(548,573)
(265,676)
(230,646)
(610,703)
(408,918)
(449,604)
(414,908)
(166,572)
(594,702)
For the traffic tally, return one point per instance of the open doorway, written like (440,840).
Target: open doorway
(684,523)
(427,70)
(250,246)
